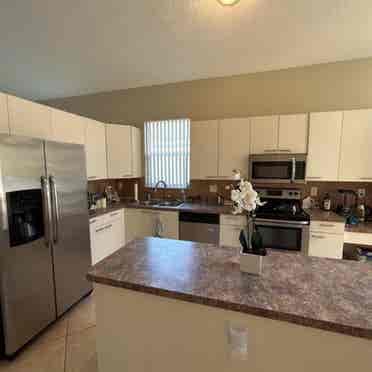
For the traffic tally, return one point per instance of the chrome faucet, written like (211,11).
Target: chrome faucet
(161,182)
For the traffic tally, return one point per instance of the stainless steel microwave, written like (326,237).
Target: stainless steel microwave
(277,168)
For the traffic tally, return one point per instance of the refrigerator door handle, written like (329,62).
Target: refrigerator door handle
(47,210)
(56,214)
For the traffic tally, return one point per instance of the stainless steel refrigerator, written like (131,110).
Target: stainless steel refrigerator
(44,235)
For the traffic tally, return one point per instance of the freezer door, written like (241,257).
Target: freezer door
(26,271)
(66,172)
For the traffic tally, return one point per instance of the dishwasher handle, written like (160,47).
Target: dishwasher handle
(206,218)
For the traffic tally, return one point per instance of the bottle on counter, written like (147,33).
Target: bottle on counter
(327,202)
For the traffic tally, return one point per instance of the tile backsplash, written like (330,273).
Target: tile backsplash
(201,189)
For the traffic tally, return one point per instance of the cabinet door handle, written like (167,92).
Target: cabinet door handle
(318,236)
(271,150)
(92,221)
(326,225)
(284,150)
(100,229)
(114,214)
(108,227)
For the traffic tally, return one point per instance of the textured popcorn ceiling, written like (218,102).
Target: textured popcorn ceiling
(62,48)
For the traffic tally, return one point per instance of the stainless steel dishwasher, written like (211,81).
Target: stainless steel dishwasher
(199,227)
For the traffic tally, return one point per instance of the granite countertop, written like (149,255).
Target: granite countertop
(324,216)
(333,295)
(361,228)
(185,207)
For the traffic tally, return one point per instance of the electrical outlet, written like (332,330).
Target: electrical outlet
(213,188)
(314,191)
(361,193)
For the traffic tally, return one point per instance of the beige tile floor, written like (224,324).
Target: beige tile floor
(69,345)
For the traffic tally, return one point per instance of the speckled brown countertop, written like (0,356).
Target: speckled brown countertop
(333,295)
(185,207)
(361,228)
(324,216)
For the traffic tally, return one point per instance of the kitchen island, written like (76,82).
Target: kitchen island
(165,305)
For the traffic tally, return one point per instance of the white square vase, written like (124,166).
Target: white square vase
(251,263)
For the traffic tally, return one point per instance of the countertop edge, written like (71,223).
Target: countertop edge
(270,314)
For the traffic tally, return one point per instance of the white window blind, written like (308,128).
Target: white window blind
(167,152)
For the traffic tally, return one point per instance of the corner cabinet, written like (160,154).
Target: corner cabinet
(123,151)
(141,223)
(4,119)
(95,149)
(30,119)
(356,144)
(279,134)
(325,131)
(67,127)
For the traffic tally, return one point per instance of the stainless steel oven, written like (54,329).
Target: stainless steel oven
(277,168)
(282,234)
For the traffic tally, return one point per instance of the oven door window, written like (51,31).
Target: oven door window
(272,170)
(288,238)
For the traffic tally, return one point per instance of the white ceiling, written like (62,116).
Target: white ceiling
(54,48)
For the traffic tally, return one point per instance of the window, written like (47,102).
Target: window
(167,153)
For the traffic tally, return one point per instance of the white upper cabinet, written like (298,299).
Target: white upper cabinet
(95,149)
(264,134)
(293,133)
(356,145)
(204,149)
(123,151)
(137,154)
(324,146)
(234,143)
(279,134)
(4,122)
(28,118)
(68,127)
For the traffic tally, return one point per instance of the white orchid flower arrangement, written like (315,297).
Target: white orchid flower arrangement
(244,197)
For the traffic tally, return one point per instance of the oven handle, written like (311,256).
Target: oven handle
(293,179)
(281,223)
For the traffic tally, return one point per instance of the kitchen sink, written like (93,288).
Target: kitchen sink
(170,203)
(162,203)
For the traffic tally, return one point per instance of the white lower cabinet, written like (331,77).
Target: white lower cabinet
(230,227)
(107,235)
(326,240)
(141,223)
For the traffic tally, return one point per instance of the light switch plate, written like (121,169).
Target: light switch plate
(213,188)
(314,191)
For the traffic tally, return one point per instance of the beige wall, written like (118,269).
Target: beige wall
(325,87)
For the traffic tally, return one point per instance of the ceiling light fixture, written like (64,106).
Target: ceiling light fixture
(228,2)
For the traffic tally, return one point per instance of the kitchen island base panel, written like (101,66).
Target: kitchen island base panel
(141,332)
